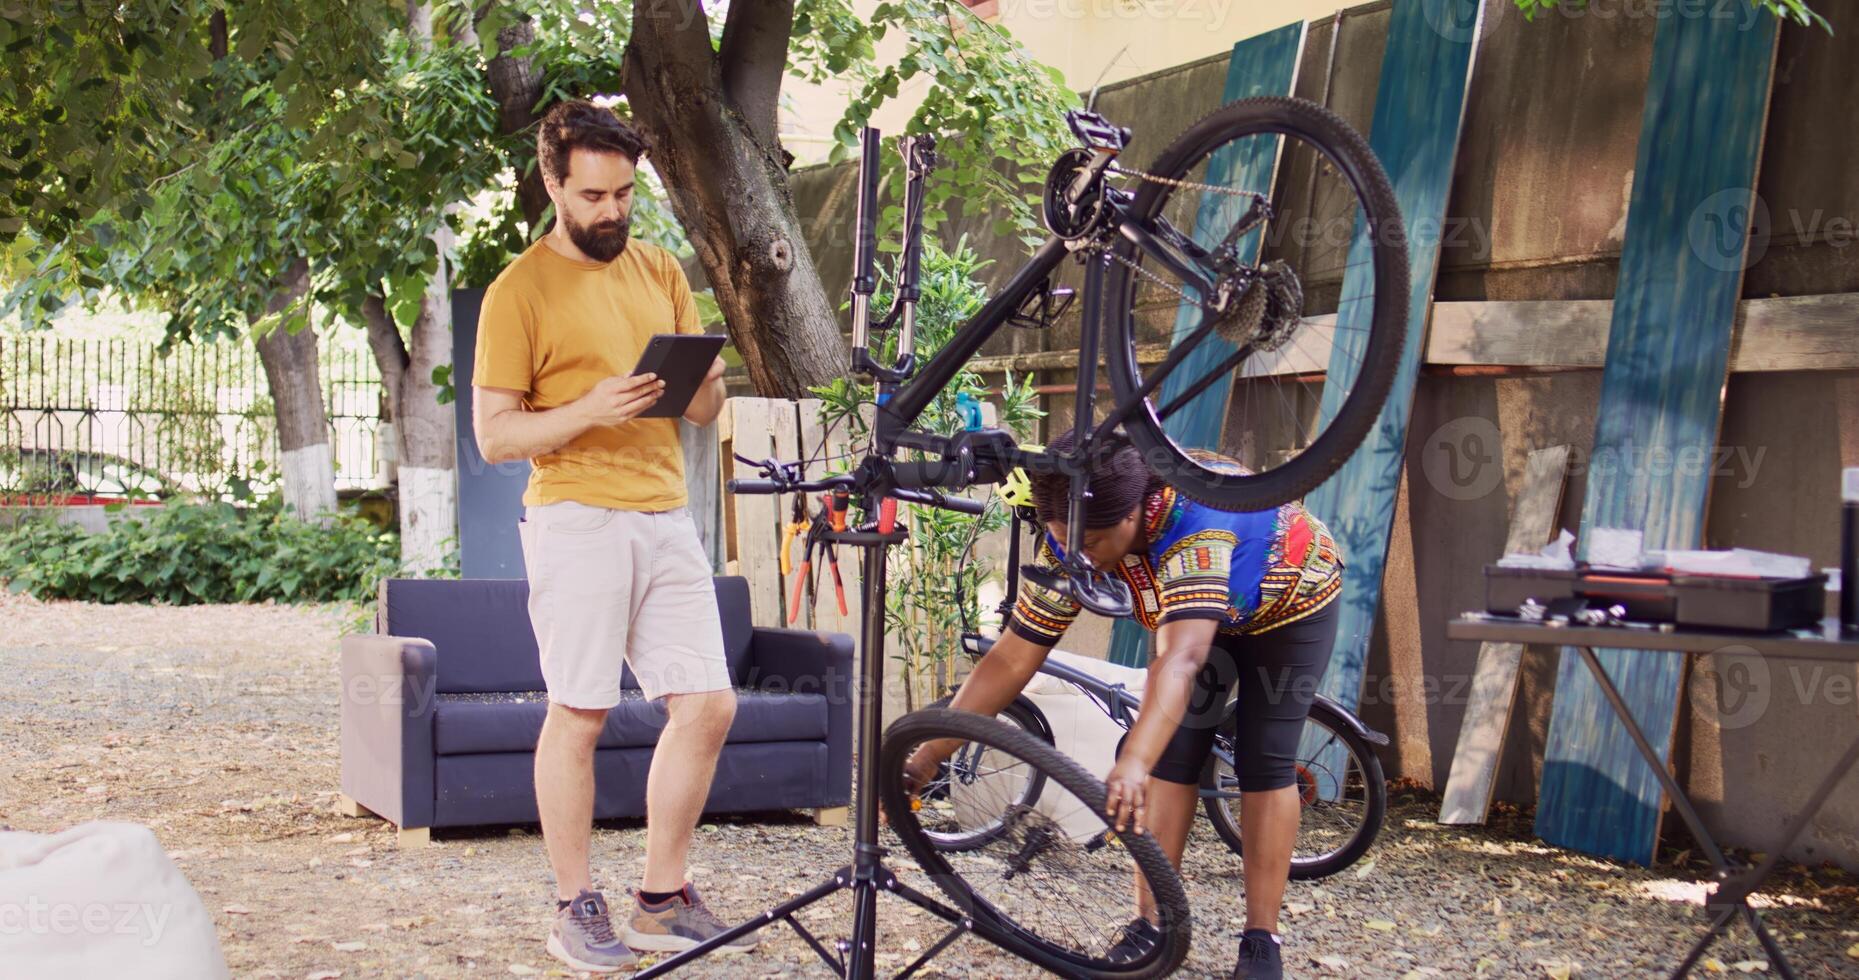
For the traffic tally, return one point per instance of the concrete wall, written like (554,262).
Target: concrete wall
(1539,205)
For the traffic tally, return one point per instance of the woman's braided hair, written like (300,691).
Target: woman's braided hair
(1117,481)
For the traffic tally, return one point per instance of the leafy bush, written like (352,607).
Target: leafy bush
(196,553)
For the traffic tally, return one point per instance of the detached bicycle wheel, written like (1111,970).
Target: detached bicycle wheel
(1288,329)
(1052,881)
(976,763)
(1342,795)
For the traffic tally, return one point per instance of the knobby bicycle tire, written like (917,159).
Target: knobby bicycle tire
(1350,153)
(930,724)
(1376,789)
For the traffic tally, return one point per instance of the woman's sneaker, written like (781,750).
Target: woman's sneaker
(1137,940)
(583,937)
(1258,957)
(679,924)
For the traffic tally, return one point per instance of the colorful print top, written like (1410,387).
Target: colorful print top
(1252,571)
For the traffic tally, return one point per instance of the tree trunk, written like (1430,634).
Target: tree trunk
(289,359)
(425,429)
(517,86)
(729,188)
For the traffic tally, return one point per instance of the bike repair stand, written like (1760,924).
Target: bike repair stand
(854,957)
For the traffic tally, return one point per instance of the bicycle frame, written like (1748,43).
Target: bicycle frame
(905,391)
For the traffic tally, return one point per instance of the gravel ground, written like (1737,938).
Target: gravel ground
(216,727)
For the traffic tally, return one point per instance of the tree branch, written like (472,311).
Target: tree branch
(390,352)
(679,28)
(754,59)
(517,86)
(419,23)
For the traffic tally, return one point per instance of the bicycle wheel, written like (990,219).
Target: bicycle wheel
(1298,347)
(1342,809)
(974,763)
(1054,885)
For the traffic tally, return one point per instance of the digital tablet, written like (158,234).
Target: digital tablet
(681,361)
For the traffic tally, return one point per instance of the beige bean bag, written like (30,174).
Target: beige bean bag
(101,900)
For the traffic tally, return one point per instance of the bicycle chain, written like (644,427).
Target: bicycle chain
(1177,183)
(1100,249)
(1191,184)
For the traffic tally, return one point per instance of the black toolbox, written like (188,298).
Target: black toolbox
(1750,603)
(1712,601)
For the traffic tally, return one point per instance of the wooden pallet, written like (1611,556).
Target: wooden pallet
(1494,680)
(1668,348)
(1262,65)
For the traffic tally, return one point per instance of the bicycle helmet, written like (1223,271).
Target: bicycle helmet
(1016,492)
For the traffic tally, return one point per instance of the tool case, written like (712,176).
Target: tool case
(1718,602)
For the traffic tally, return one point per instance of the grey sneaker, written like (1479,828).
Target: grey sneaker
(583,937)
(678,925)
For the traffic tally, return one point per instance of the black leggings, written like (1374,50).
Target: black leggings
(1281,671)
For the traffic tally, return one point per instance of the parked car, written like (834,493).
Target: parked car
(71,477)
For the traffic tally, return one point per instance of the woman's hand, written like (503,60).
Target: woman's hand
(921,768)
(1124,804)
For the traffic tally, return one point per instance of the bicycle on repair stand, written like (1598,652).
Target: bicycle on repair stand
(1262,325)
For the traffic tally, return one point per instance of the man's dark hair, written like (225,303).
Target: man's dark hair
(581,125)
(1116,479)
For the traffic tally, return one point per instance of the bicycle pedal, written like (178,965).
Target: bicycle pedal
(1044,308)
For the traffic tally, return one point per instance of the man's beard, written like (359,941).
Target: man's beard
(602,242)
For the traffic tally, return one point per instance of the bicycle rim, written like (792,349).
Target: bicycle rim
(1054,886)
(1289,379)
(952,822)
(1341,806)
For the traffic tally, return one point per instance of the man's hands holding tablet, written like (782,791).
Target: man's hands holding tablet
(620,398)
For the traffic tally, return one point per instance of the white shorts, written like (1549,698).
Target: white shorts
(608,587)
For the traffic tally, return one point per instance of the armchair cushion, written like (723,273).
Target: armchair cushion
(480,628)
(463,725)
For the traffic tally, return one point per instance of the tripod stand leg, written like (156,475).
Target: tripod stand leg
(941,944)
(785,911)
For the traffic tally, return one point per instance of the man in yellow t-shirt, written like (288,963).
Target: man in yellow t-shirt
(616,570)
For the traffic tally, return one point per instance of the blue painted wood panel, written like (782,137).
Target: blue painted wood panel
(1681,273)
(1419,109)
(1262,65)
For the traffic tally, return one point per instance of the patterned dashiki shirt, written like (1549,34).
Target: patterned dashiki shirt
(1253,571)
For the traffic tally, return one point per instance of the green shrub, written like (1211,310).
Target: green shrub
(183,554)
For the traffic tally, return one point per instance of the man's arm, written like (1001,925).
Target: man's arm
(507,432)
(708,402)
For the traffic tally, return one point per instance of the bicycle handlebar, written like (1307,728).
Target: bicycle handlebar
(927,498)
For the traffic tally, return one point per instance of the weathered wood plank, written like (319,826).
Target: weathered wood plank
(1781,333)
(1419,109)
(1549,333)
(1668,353)
(758,530)
(1776,333)
(703,482)
(1494,681)
(1262,65)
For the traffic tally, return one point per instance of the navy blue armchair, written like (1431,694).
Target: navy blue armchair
(441,709)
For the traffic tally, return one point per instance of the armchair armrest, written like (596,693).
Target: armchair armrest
(807,662)
(389,689)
